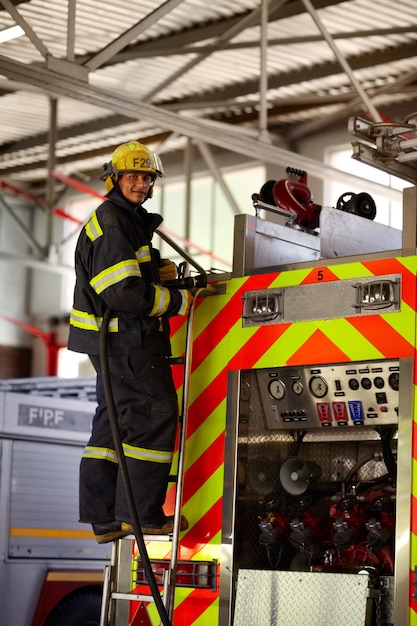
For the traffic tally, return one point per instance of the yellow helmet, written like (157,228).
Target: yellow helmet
(130,157)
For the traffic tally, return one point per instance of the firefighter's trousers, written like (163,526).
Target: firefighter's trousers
(147,408)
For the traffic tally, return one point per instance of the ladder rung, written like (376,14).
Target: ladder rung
(139,597)
(147,537)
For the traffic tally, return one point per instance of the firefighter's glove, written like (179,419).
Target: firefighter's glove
(167,270)
(186,300)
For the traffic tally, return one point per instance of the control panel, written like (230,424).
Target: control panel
(331,396)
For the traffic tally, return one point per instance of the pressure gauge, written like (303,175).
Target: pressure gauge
(318,386)
(297,388)
(276,389)
(394,381)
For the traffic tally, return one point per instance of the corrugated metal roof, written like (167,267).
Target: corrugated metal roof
(197,59)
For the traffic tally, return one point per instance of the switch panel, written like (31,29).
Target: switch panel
(331,396)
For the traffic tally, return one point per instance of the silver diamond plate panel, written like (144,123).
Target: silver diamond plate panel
(273,598)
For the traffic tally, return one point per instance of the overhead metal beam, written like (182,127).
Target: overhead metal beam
(274,82)
(401,86)
(50,183)
(215,172)
(121,42)
(71,30)
(19,19)
(175,43)
(309,73)
(263,73)
(343,62)
(151,48)
(103,123)
(222,135)
(21,227)
(348,101)
(225,36)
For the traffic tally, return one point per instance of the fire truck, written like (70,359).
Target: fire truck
(51,568)
(296,373)
(298,472)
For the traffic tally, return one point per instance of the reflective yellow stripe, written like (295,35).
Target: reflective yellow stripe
(93,228)
(185,301)
(103,454)
(51,533)
(77,575)
(161,301)
(114,274)
(144,454)
(87,321)
(143,254)
(141,454)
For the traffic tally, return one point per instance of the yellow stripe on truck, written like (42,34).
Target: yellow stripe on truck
(51,533)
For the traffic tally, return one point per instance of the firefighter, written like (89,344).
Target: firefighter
(117,267)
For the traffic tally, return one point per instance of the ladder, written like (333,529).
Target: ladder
(119,577)
(117,588)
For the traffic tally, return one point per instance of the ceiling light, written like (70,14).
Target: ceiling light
(11,33)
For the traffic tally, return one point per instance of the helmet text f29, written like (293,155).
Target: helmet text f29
(131,157)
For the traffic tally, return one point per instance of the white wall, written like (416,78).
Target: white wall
(14,277)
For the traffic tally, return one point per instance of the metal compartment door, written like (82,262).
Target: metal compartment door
(300,599)
(44,504)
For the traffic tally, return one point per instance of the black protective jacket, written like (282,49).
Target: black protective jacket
(117,267)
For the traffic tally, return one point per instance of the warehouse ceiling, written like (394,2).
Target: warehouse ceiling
(251,76)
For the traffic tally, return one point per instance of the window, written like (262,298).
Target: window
(388,211)
(208,234)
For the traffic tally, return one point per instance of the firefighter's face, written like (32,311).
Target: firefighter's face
(135,186)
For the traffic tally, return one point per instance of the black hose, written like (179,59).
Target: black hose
(389,459)
(356,467)
(117,440)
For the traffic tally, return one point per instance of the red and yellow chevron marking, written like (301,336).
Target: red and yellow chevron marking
(222,345)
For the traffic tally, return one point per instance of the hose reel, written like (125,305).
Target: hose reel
(361,204)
